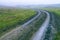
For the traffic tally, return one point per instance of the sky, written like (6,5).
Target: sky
(28,2)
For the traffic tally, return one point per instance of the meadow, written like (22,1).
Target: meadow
(12,17)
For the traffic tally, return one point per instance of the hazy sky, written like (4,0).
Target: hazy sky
(28,2)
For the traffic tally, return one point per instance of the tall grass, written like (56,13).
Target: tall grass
(10,18)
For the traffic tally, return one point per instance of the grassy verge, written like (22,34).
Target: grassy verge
(33,28)
(56,12)
(11,18)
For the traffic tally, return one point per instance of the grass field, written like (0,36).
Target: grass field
(56,12)
(11,18)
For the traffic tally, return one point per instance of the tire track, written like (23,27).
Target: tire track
(39,35)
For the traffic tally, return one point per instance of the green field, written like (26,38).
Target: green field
(11,18)
(56,12)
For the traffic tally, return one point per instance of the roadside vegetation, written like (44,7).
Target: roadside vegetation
(56,12)
(11,18)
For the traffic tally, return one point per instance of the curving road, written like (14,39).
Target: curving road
(39,35)
(16,32)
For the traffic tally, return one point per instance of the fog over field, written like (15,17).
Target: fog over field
(28,2)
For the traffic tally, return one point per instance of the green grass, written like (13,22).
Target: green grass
(56,12)
(10,18)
